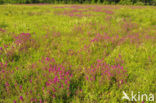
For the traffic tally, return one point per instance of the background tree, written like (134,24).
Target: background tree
(144,2)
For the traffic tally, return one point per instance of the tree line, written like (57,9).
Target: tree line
(128,2)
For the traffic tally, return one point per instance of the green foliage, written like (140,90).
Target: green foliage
(1,1)
(153,2)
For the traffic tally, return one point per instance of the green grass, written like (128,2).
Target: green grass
(76,40)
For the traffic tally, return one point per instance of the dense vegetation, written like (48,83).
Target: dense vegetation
(128,2)
(76,53)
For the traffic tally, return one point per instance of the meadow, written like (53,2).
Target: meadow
(76,53)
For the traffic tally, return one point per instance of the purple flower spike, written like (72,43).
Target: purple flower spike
(1,48)
(21,98)
(2,30)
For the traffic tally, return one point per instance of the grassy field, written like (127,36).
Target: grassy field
(77,53)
